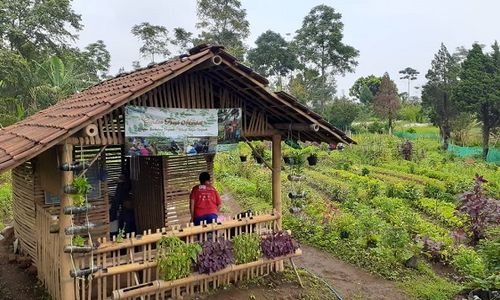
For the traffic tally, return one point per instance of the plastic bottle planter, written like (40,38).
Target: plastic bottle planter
(84,272)
(295,210)
(288,160)
(243,158)
(77,229)
(296,177)
(70,189)
(78,249)
(295,195)
(312,160)
(75,210)
(75,166)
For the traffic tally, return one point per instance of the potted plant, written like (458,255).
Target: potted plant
(312,153)
(78,189)
(244,151)
(286,152)
(259,152)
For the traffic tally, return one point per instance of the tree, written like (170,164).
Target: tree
(386,103)
(183,39)
(478,90)
(320,46)
(371,81)
(436,93)
(311,90)
(154,39)
(36,28)
(272,56)
(366,96)
(223,22)
(342,112)
(409,74)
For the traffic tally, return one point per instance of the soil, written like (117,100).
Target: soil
(18,279)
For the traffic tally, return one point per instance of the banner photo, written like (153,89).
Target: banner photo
(170,122)
(173,131)
(229,120)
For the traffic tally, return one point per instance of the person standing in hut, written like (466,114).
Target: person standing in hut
(205,201)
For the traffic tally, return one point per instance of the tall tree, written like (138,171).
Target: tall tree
(272,57)
(320,45)
(311,90)
(436,93)
(34,27)
(182,39)
(342,112)
(409,74)
(386,103)
(370,81)
(154,39)
(478,89)
(223,22)
(366,96)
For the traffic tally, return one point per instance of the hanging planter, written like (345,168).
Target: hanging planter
(286,159)
(293,177)
(295,195)
(295,210)
(243,158)
(259,160)
(312,159)
(74,210)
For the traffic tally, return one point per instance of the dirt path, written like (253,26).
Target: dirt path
(350,281)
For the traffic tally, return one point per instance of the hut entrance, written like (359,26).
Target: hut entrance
(161,186)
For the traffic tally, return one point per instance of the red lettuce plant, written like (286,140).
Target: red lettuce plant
(215,256)
(432,248)
(277,244)
(480,210)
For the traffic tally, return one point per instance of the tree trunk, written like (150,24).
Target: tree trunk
(390,124)
(486,139)
(445,127)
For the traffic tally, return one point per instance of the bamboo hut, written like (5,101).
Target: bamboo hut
(45,151)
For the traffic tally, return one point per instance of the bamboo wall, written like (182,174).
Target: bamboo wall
(48,252)
(131,264)
(195,89)
(23,208)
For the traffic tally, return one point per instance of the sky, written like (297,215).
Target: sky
(389,34)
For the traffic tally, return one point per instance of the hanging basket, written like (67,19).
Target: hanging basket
(312,160)
(243,158)
(295,210)
(75,210)
(295,195)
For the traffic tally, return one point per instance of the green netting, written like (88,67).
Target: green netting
(414,136)
(493,154)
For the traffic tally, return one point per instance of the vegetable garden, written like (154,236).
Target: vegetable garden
(403,210)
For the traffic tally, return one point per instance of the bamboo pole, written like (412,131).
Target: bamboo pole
(276,178)
(67,287)
(157,285)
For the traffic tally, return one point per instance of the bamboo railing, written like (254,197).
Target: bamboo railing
(131,263)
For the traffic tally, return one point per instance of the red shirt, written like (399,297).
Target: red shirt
(206,199)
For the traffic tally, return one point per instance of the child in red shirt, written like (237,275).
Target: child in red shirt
(204,201)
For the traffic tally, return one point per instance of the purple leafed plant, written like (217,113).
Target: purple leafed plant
(432,248)
(278,244)
(215,256)
(406,149)
(480,210)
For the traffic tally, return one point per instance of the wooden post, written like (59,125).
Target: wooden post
(67,286)
(276,178)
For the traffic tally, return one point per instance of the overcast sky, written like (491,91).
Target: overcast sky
(390,34)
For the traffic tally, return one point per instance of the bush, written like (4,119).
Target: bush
(468,262)
(215,256)
(246,248)
(277,244)
(175,258)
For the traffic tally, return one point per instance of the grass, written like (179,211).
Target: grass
(5,199)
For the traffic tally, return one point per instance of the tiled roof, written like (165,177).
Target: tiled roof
(30,137)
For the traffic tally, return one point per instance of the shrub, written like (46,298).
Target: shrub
(277,244)
(406,150)
(246,248)
(481,211)
(215,256)
(175,257)
(468,262)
